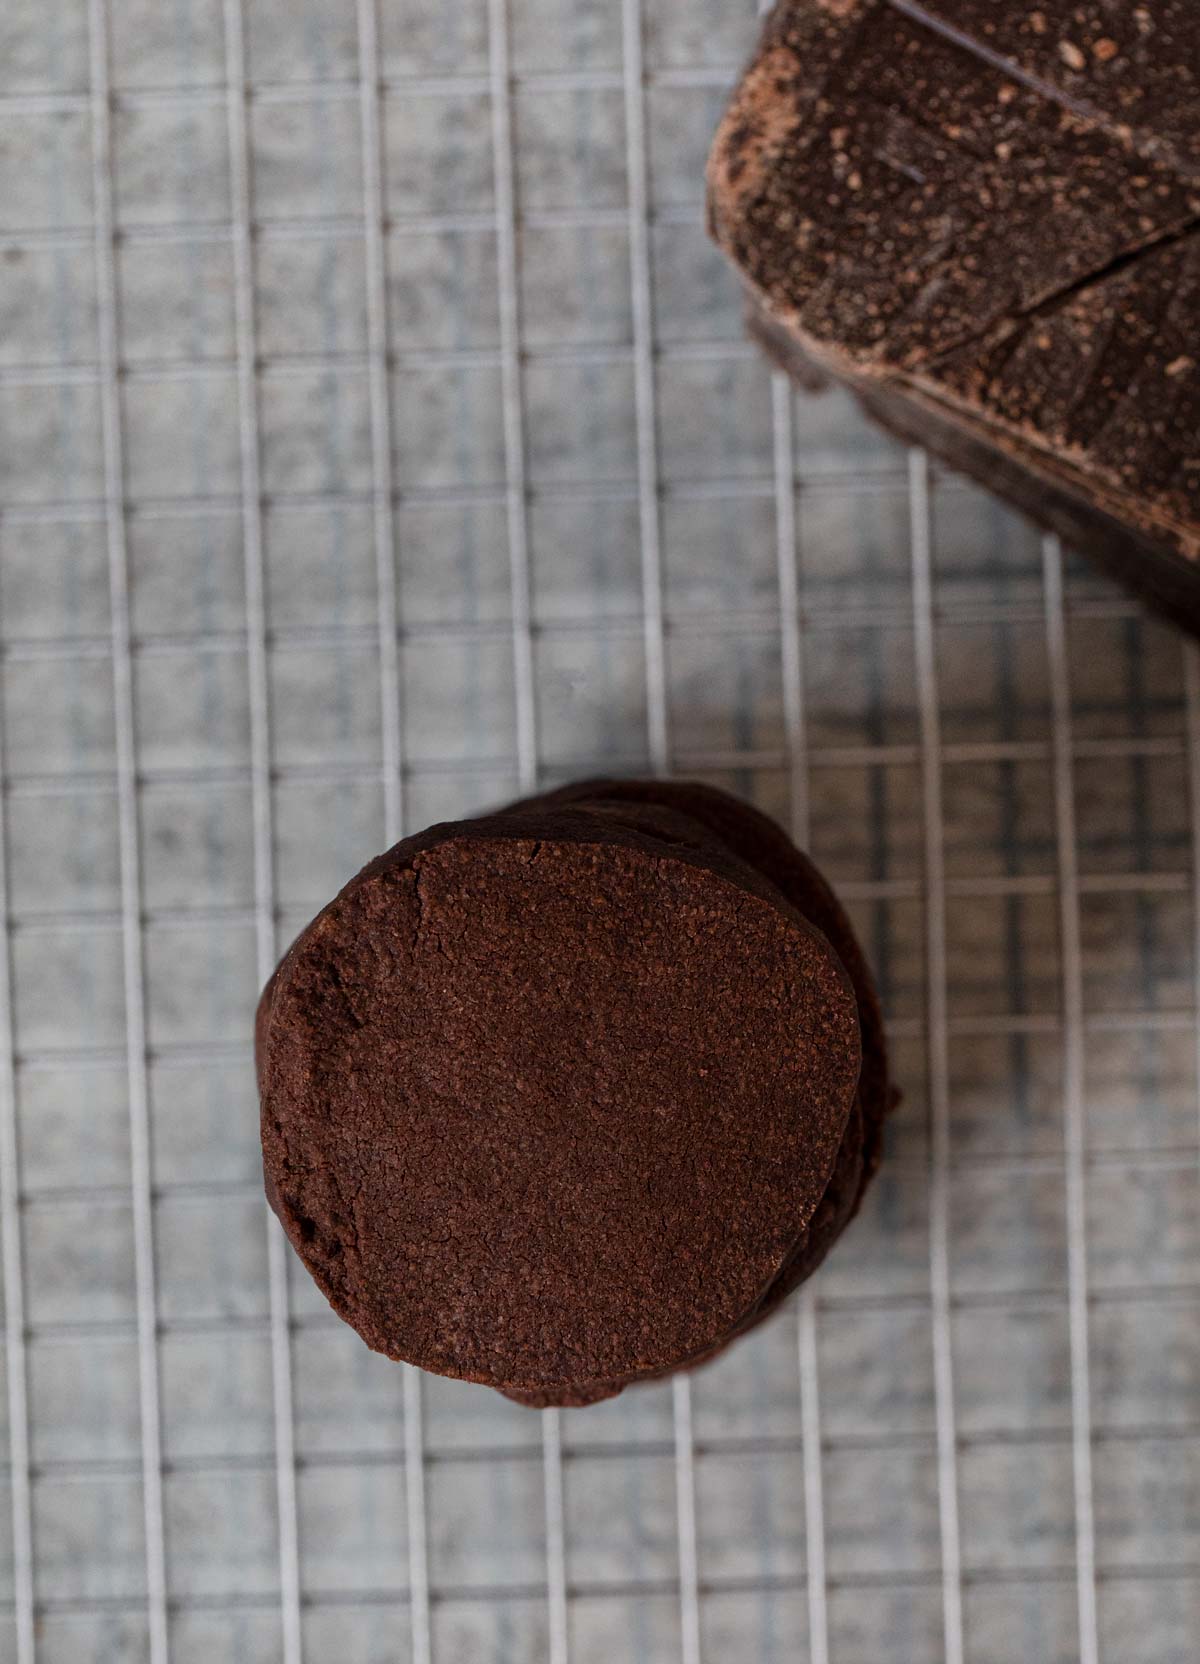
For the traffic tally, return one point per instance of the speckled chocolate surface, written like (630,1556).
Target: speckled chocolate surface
(993,211)
(572,1094)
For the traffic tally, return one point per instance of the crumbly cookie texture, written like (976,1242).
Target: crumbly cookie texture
(570,1095)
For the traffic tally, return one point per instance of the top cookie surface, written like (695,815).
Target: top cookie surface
(547,1100)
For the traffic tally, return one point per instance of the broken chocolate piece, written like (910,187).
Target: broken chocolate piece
(985,219)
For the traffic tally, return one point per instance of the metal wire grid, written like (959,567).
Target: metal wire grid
(795,625)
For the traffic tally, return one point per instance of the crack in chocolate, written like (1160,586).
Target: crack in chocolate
(1053,302)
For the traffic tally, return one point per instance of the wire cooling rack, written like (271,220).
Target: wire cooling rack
(378,440)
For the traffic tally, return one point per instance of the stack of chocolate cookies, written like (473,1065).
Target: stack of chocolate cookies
(570,1095)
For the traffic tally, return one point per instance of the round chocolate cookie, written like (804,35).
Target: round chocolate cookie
(571,1094)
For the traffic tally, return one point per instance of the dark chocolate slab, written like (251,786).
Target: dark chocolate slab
(993,210)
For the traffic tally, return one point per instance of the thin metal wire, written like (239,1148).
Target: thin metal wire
(16,1363)
(250,447)
(382,482)
(283,228)
(792,667)
(921,532)
(333,88)
(685,1509)
(512,384)
(642,296)
(512,392)
(739,622)
(791,624)
(383,497)
(84,1471)
(501,1594)
(29,784)
(1073,1103)
(158,372)
(556,1537)
(416,1511)
(580,493)
(1191,685)
(654,650)
(108,334)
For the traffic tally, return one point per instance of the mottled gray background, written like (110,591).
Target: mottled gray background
(377,435)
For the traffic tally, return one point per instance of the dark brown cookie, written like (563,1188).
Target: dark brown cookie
(765,846)
(984,218)
(569,1095)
